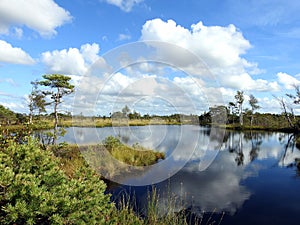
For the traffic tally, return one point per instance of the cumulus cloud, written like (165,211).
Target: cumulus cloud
(288,81)
(71,61)
(14,55)
(134,77)
(218,46)
(221,48)
(146,93)
(269,105)
(162,77)
(125,5)
(245,82)
(90,52)
(43,16)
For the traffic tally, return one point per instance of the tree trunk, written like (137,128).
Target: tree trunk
(30,110)
(56,116)
(286,113)
(241,116)
(30,118)
(240,153)
(56,102)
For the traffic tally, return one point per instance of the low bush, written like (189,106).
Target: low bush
(33,190)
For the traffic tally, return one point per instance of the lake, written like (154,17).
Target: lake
(250,176)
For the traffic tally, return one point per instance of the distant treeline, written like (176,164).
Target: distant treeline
(8,117)
(220,115)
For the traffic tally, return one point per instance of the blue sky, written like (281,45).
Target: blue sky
(245,45)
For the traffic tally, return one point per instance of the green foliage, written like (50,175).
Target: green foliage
(125,214)
(134,115)
(205,119)
(57,81)
(70,158)
(6,115)
(33,190)
(37,101)
(111,142)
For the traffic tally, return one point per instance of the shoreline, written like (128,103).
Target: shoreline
(47,125)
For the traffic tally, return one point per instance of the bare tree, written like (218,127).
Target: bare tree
(239,97)
(254,106)
(295,98)
(287,114)
(288,110)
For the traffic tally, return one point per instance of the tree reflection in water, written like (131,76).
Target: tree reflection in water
(235,142)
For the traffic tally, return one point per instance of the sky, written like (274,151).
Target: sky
(157,57)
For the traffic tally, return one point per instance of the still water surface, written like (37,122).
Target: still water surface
(252,178)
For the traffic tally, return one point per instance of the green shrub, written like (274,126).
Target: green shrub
(135,155)
(33,190)
(112,142)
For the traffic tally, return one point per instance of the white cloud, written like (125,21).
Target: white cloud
(221,49)
(123,37)
(149,93)
(71,61)
(157,86)
(164,78)
(125,5)
(218,46)
(43,16)
(90,52)
(15,103)
(116,84)
(14,55)
(269,105)
(245,82)
(287,80)
(12,106)
(75,79)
